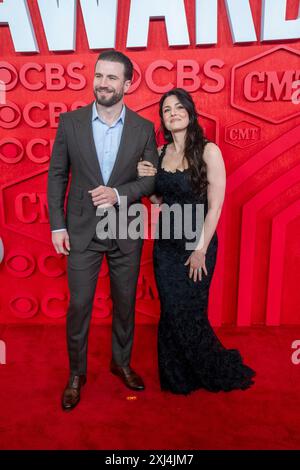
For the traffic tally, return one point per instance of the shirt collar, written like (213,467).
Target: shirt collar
(95,115)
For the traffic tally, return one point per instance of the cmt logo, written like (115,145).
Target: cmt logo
(2,352)
(295,358)
(23,206)
(31,207)
(267,85)
(242,134)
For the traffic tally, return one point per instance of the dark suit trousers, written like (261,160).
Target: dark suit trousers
(83,271)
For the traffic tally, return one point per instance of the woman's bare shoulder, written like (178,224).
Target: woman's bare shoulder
(211,150)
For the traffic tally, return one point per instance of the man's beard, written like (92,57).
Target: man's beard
(110,100)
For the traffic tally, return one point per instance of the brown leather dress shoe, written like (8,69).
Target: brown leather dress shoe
(130,378)
(71,395)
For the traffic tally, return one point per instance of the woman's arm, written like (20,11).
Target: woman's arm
(216,177)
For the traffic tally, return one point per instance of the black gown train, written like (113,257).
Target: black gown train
(190,356)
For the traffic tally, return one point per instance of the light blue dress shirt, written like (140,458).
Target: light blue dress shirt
(107,141)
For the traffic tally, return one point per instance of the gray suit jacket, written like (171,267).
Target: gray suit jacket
(74,154)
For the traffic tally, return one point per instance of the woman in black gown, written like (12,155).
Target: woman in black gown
(190,171)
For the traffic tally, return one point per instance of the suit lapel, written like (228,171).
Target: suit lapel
(126,144)
(87,145)
(88,149)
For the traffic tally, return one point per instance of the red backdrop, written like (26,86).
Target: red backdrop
(257,275)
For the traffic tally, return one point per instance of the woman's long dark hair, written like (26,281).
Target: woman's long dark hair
(194,139)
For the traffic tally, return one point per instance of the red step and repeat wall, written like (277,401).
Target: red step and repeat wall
(241,62)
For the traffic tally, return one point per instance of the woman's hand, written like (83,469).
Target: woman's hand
(156,199)
(197,263)
(146,168)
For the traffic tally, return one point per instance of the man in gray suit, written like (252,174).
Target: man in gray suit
(99,146)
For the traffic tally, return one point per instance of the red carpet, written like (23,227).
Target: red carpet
(110,417)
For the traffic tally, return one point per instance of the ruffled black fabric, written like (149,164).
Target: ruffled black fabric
(190,356)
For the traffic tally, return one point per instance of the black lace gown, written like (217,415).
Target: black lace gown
(190,356)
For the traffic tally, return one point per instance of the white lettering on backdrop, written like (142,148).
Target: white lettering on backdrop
(100,21)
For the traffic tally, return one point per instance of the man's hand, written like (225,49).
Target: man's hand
(61,242)
(103,196)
